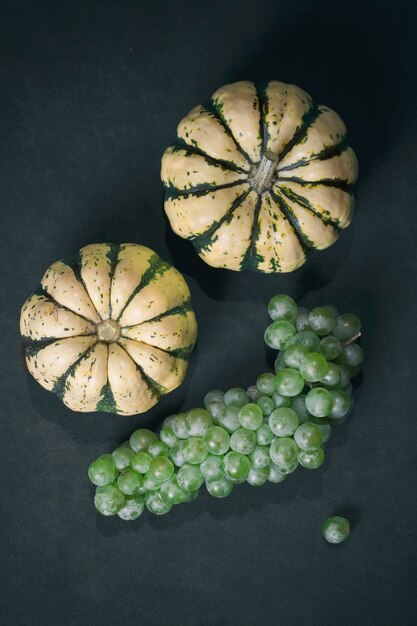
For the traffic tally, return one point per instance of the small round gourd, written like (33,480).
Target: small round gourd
(110,331)
(258,177)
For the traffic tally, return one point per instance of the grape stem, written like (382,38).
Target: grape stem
(351,340)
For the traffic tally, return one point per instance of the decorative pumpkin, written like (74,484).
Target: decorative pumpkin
(258,177)
(111,331)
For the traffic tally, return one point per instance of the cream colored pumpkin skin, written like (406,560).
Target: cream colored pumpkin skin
(214,193)
(111,331)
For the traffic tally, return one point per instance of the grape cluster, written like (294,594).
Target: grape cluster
(262,434)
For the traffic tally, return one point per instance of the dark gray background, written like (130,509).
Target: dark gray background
(90,95)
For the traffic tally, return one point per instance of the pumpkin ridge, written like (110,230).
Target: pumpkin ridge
(251,258)
(203,241)
(43,292)
(215,110)
(113,256)
(307,120)
(156,267)
(327,153)
(75,264)
(180,144)
(155,388)
(263,107)
(182,309)
(338,183)
(172,192)
(31,346)
(304,240)
(292,195)
(59,384)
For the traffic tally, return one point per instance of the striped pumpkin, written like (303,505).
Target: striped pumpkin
(111,331)
(258,177)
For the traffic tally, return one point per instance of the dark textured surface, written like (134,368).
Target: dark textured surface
(91,93)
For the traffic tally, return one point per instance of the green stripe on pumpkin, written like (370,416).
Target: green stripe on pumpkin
(156,268)
(216,110)
(155,388)
(182,309)
(193,149)
(291,195)
(327,153)
(286,209)
(204,241)
(252,259)
(107,403)
(60,384)
(197,191)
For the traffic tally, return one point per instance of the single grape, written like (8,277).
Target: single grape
(351,356)
(192,495)
(319,402)
(213,396)
(236,465)
(312,459)
(308,437)
(308,339)
(236,397)
(284,454)
(108,499)
(330,347)
(141,439)
(197,422)
(250,416)
(132,509)
(161,469)
(279,335)
(332,378)
(121,457)
(279,362)
(314,367)
(332,310)
(275,475)
(130,482)
(264,435)
(341,404)
(336,529)
(167,436)
(220,488)
(266,405)
(299,406)
(283,422)
(253,393)
(294,355)
(156,504)
(321,320)
(140,462)
(214,409)
(347,326)
(289,382)
(103,470)
(260,457)
(344,376)
(179,426)
(280,400)
(217,440)
(258,476)
(171,491)
(282,307)
(212,468)
(158,448)
(265,384)
(194,451)
(323,425)
(149,484)
(243,441)
(189,477)
(301,322)
(229,418)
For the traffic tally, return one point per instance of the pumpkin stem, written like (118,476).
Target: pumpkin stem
(108,331)
(263,173)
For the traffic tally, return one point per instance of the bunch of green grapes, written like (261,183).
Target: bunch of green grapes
(259,435)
